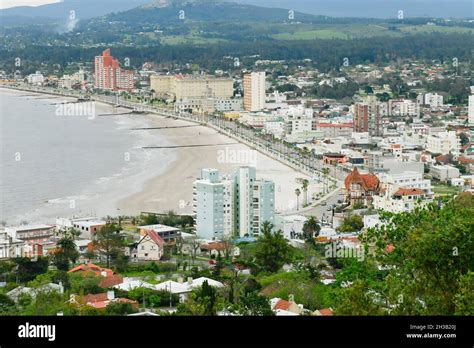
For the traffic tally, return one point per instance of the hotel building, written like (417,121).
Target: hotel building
(109,75)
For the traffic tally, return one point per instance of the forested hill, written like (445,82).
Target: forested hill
(176,11)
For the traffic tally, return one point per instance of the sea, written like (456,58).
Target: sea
(58,162)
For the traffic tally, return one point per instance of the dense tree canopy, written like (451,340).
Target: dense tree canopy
(417,263)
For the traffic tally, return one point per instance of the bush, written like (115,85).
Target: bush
(120,308)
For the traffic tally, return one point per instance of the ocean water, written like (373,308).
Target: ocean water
(59,163)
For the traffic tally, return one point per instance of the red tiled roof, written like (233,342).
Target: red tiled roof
(213,246)
(155,237)
(92,298)
(443,159)
(464,160)
(91,268)
(282,304)
(402,191)
(369,181)
(326,311)
(110,281)
(100,302)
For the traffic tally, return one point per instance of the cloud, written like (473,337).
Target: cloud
(15,3)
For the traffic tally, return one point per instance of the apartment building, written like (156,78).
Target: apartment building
(397,199)
(407,179)
(10,247)
(471,110)
(208,204)
(403,107)
(35,79)
(443,143)
(182,87)
(31,234)
(444,173)
(368,116)
(434,100)
(109,75)
(297,119)
(334,130)
(254,91)
(237,205)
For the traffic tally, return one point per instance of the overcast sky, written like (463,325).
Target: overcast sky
(12,3)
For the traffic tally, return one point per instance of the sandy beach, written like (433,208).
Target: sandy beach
(173,190)
(161,179)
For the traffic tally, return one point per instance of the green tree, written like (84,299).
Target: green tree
(311,229)
(272,250)
(305,185)
(66,251)
(464,299)
(219,265)
(255,305)
(326,172)
(120,308)
(351,223)
(427,262)
(7,306)
(108,242)
(28,269)
(201,302)
(297,193)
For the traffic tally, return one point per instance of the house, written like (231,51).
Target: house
(20,291)
(109,278)
(401,199)
(169,234)
(360,188)
(88,228)
(214,248)
(129,284)
(183,289)
(99,301)
(83,245)
(149,248)
(85,225)
(334,158)
(323,312)
(284,307)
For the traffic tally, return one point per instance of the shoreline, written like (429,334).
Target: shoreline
(173,188)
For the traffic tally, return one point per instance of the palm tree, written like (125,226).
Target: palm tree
(305,190)
(311,228)
(297,193)
(325,173)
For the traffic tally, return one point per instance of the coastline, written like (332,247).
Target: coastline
(172,188)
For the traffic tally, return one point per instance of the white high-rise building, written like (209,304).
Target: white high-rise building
(254,91)
(234,206)
(471,110)
(208,205)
